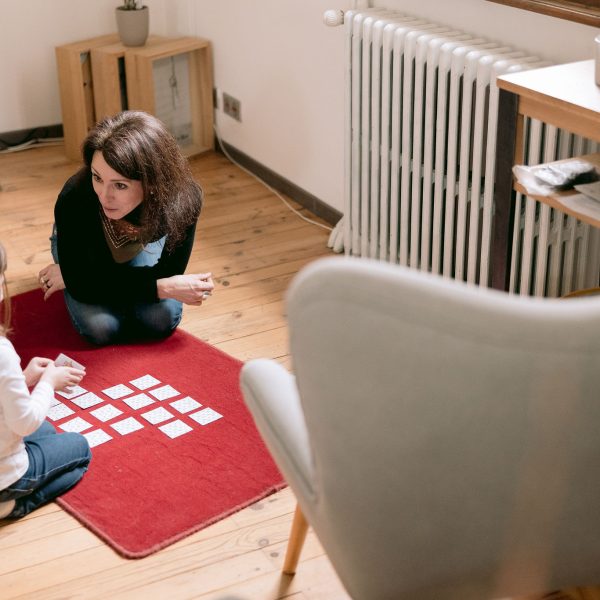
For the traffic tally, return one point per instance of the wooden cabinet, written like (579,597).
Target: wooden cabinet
(170,78)
(75,81)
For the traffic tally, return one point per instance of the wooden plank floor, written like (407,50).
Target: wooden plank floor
(253,245)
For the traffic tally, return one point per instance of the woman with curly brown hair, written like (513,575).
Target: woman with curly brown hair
(123,234)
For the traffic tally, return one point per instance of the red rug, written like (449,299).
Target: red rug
(145,490)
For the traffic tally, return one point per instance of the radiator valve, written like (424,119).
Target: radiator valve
(333,17)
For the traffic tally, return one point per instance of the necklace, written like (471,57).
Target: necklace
(119,232)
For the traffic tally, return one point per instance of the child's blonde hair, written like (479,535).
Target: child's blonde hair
(5,323)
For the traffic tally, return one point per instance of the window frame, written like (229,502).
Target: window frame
(586,12)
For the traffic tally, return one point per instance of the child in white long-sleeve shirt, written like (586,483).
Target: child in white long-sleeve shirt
(36,463)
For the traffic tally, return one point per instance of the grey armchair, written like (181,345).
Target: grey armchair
(442,440)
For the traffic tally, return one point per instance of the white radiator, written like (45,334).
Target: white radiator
(420,145)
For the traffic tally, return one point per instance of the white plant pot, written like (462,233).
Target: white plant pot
(133,25)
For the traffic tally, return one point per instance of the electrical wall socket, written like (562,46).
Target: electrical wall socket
(232,107)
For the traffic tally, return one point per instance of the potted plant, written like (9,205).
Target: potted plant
(132,22)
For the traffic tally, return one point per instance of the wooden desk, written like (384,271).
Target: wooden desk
(565,96)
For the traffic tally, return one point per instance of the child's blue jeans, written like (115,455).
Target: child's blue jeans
(57,461)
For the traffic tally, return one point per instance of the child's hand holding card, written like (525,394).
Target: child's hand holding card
(62,360)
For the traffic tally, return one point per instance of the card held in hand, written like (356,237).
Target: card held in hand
(62,360)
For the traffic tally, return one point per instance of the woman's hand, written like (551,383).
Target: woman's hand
(35,369)
(189,289)
(61,378)
(51,280)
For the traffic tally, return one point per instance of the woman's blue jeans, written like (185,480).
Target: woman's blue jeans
(57,461)
(101,324)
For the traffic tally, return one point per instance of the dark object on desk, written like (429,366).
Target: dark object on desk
(564,175)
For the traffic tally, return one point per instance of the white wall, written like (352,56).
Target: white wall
(29,32)
(287,68)
(275,56)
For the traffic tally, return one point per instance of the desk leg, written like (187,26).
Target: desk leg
(501,245)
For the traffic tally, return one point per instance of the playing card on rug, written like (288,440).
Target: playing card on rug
(205,416)
(62,360)
(185,405)
(158,415)
(126,426)
(72,392)
(77,424)
(138,401)
(87,400)
(97,437)
(175,429)
(117,391)
(106,413)
(143,383)
(164,392)
(59,411)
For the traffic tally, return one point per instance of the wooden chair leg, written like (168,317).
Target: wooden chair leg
(295,543)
